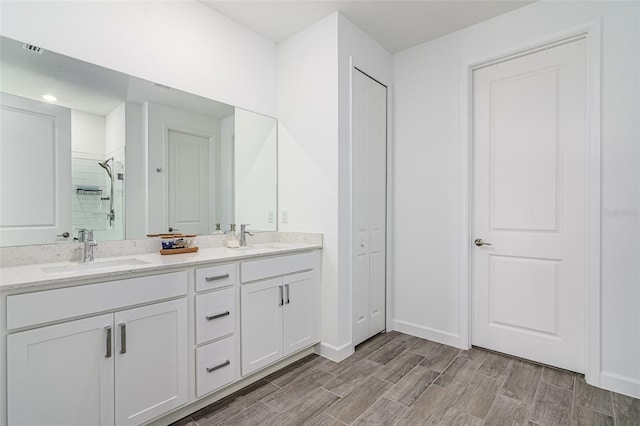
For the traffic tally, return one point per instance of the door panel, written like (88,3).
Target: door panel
(261,324)
(189,183)
(529,120)
(368,153)
(59,375)
(299,318)
(152,373)
(35,171)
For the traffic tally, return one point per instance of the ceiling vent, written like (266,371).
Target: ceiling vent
(32,48)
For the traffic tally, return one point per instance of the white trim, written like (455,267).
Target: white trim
(592,33)
(620,384)
(334,353)
(428,333)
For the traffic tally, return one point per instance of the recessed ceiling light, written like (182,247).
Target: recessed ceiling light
(49,98)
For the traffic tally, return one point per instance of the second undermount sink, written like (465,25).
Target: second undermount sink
(98,265)
(260,248)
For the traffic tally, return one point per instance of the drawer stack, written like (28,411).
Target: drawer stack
(216,310)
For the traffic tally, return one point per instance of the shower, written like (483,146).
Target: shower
(108,168)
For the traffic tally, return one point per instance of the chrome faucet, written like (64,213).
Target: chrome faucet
(243,235)
(89,244)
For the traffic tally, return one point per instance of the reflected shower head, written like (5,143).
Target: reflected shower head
(105,165)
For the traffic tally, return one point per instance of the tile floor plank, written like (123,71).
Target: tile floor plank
(289,373)
(456,417)
(424,347)
(478,396)
(627,410)
(560,378)
(382,412)
(552,405)
(351,377)
(522,381)
(398,367)
(388,351)
(507,412)
(458,374)
(348,409)
(440,358)
(296,391)
(593,398)
(323,419)
(256,414)
(496,366)
(584,417)
(312,406)
(408,389)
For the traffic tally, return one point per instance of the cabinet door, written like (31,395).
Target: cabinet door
(300,312)
(151,361)
(62,374)
(261,324)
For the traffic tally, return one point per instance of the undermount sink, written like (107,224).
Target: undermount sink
(94,266)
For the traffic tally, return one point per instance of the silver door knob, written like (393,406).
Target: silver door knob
(480,243)
(63,235)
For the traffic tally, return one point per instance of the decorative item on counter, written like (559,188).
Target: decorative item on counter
(176,243)
(232,239)
(218,231)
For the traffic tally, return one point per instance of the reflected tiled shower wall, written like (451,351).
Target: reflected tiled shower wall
(90,196)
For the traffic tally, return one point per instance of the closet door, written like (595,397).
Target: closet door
(369,158)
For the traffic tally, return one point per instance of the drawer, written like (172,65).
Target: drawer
(39,307)
(215,314)
(274,266)
(215,277)
(215,365)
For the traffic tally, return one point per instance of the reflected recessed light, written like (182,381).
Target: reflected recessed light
(49,98)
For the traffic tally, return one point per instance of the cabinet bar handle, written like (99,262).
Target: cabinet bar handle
(218,367)
(216,278)
(212,317)
(123,338)
(281,296)
(286,287)
(108,354)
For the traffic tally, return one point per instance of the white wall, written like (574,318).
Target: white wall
(313,83)
(182,44)
(225,207)
(308,150)
(427,165)
(87,134)
(115,130)
(255,180)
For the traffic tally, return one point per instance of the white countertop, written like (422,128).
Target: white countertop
(33,275)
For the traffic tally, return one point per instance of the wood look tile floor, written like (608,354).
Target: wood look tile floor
(397,379)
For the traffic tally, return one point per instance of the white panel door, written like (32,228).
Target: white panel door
(35,171)
(62,374)
(151,361)
(529,116)
(189,189)
(300,320)
(369,131)
(261,323)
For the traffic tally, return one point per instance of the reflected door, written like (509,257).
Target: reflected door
(528,293)
(35,172)
(188,183)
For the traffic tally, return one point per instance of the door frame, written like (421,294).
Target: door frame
(591,32)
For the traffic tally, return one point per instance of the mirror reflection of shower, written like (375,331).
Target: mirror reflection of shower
(111,216)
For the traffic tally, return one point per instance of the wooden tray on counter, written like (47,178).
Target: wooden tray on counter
(180,250)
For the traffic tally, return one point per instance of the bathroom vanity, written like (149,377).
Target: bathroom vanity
(149,338)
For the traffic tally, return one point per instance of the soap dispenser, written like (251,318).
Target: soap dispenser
(218,231)
(232,238)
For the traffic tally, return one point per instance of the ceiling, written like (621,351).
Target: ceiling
(396,25)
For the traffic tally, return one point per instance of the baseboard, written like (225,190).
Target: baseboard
(423,332)
(334,353)
(620,384)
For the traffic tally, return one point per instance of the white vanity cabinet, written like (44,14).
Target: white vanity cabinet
(280,315)
(123,367)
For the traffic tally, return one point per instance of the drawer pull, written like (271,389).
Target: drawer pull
(281,296)
(108,354)
(123,338)
(218,367)
(286,287)
(212,317)
(217,277)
